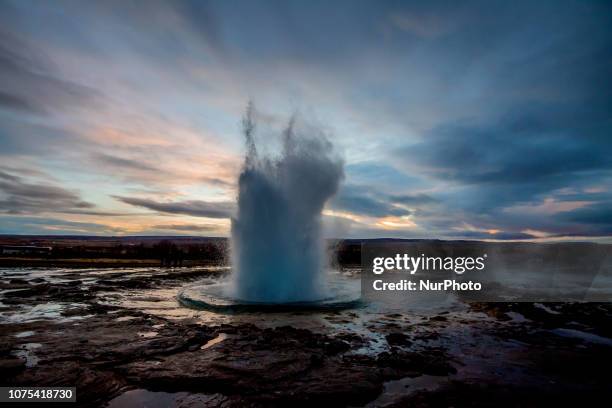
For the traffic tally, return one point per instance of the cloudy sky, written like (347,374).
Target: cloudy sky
(480,120)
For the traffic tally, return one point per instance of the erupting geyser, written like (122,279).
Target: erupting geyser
(278,252)
(277,247)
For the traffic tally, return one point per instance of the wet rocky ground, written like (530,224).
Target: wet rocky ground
(122,339)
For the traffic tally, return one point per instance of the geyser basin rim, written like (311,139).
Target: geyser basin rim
(343,294)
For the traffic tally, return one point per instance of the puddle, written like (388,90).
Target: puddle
(584,336)
(147,334)
(26,352)
(517,317)
(546,308)
(45,311)
(396,390)
(125,318)
(216,340)
(150,399)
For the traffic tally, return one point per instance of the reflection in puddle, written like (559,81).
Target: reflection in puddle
(45,311)
(214,341)
(150,399)
(125,318)
(399,389)
(144,398)
(26,352)
(584,336)
(147,335)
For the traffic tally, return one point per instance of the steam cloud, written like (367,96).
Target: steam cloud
(277,247)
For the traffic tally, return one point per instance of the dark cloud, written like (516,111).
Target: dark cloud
(33,94)
(17,196)
(491,164)
(20,136)
(30,83)
(364,201)
(202,19)
(184,227)
(384,176)
(528,119)
(505,236)
(215,181)
(140,171)
(10,224)
(594,219)
(120,162)
(9,177)
(18,103)
(194,208)
(490,106)
(412,199)
(504,154)
(293,30)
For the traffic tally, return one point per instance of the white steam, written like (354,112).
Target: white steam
(277,247)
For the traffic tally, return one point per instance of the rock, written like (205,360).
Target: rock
(398,339)
(431,363)
(289,366)
(11,365)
